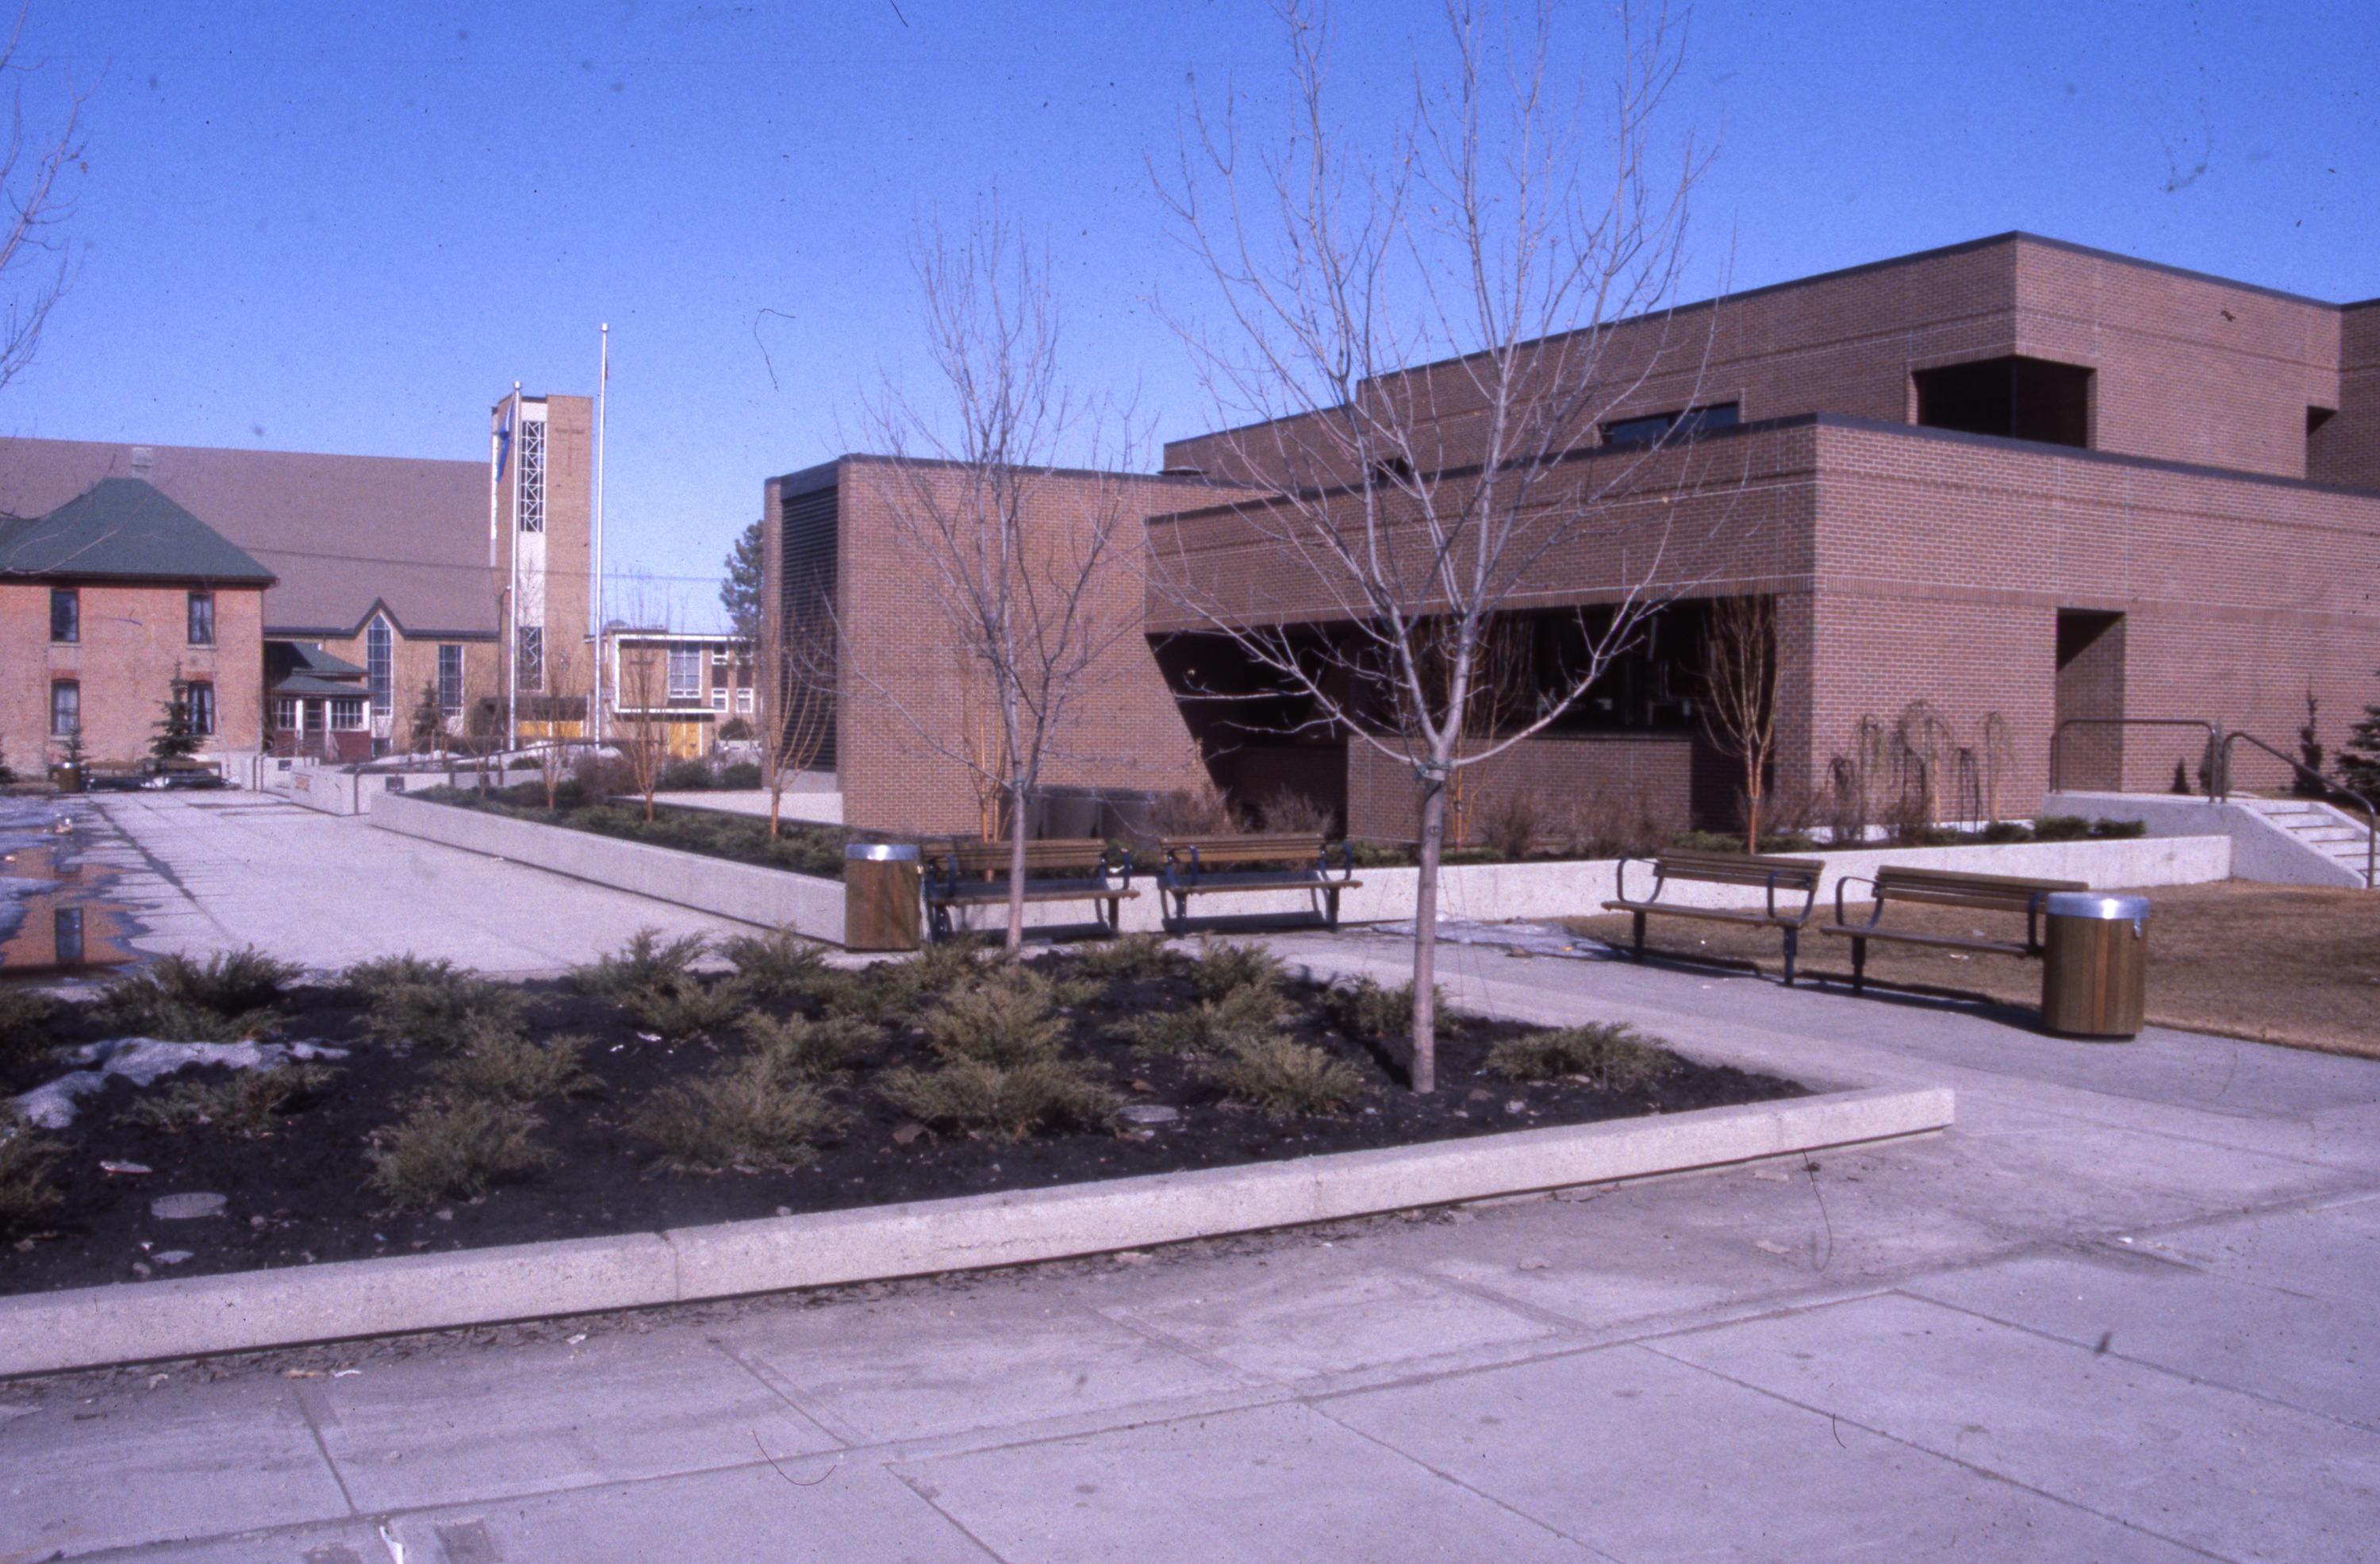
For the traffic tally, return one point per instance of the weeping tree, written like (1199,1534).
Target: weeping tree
(1496,238)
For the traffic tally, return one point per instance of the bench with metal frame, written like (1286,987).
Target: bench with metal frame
(1944,887)
(1790,875)
(1201,866)
(963,874)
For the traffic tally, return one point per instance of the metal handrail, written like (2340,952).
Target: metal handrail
(2058,738)
(2371,816)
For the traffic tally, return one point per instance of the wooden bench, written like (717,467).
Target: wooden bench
(1793,876)
(1943,887)
(1202,866)
(960,874)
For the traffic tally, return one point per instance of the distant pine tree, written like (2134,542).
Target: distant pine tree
(429,720)
(177,738)
(2359,758)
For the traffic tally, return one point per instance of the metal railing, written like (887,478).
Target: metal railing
(2222,783)
(2210,758)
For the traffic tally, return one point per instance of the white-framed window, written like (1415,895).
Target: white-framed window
(284,713)
(718,699)
(529,641)
(450,678)
(346,713)
(744,699)
(686,673)
(379,663)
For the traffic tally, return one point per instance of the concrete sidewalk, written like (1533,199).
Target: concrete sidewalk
(206,872)
(2124,1311)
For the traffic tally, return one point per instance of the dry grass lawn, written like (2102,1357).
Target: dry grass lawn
(2286,965)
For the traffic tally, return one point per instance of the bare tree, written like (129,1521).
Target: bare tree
(1411,505)
(1029,582)
(797,670)
(34,264)
(1738,680)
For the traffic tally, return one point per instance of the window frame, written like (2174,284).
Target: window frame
(71,689)
(337,718)
(200,626)
(450,653)
(70,621)
(200,693)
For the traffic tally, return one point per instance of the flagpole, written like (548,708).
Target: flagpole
(595,608)
(512,598)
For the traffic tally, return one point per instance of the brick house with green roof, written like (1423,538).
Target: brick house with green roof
(109,603)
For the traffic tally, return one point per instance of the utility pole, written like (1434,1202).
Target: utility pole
(512,598)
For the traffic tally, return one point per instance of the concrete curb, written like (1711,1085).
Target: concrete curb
(90,1328)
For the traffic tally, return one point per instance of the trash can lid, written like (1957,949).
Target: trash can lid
(881,852)
(2097,904)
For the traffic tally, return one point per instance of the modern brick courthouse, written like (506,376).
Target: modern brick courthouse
(2017,478)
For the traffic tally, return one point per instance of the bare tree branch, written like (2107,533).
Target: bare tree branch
(1418,342)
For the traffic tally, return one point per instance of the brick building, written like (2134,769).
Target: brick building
(910,704)
(680,691)
(2018,480)
(416,572)
(111,605)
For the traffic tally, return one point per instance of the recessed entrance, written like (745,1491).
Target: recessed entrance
(2090,692)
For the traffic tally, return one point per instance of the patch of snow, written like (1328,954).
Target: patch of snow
(142,1060)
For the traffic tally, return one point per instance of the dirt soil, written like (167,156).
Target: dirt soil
(297,1194)
(2288,964)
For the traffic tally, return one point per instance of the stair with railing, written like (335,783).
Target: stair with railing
(2335,833)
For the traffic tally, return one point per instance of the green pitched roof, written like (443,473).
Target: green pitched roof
(124,527)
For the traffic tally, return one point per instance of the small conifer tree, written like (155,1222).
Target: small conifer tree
(176,738)
(429,720)
(2359,758)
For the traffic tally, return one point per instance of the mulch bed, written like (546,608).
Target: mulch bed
(298,1193)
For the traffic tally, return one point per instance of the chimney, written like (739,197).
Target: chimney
(144,458)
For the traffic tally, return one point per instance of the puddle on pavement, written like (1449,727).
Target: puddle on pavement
(56,918)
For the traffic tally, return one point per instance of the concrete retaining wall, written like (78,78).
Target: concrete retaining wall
(1489,892)
(771,897)
(2260,849)
(43,1333)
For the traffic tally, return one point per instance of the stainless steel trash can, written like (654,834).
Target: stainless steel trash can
(880,895)
(2094,967)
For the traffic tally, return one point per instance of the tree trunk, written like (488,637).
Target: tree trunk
(1752,806)
(775,794)
(1424,980)
(1015,871)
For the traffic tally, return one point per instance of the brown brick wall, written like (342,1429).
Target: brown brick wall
(132,644)
(906,711)
(2346,448)
(2189,369)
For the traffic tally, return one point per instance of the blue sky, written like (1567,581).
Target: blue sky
(352,227)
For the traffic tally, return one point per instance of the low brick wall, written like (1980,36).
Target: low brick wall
(771,897)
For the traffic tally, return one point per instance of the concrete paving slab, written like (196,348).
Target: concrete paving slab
(2207,1466)
(183,1461)
(1271,1483)
(349,1542)
(1648,1459)
(429,1430)
(914,1368)
(861,1514)
(326,890)
(2318,1354)
(1316,1316)
(2329,1250)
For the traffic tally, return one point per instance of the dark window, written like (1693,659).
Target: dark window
(202,619)
(202,708)
(65,709)
(2015,398)
(65,614)
(1655,427)
(450,679)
